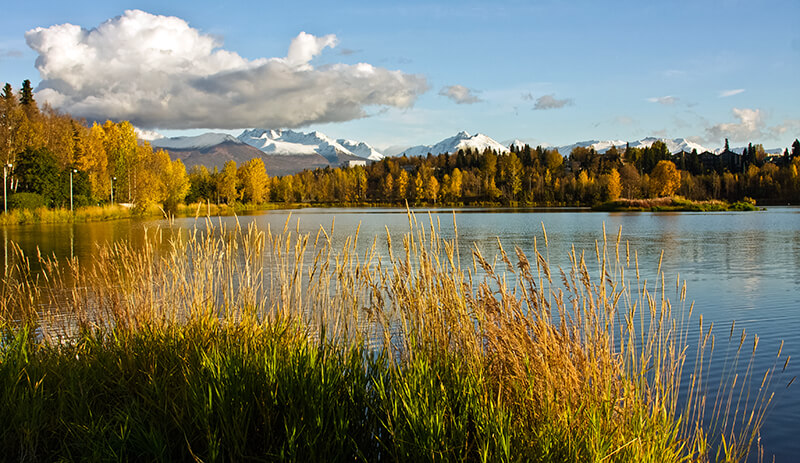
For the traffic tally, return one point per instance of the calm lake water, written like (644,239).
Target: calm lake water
(738,266)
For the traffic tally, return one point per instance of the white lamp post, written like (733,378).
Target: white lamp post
(112,189)
(71,171)
(6,168)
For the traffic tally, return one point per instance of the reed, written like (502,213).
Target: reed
(64,215)
(245,343)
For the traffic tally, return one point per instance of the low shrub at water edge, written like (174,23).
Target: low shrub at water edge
(674,203)
(231,345)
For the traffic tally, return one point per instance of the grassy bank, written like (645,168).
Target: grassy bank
(674,203)
(254,344)
(116,212)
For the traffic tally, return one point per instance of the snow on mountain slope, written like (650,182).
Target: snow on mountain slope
(598,145)
(205,140)
(674,145)
(740,149)
(462,140)
(361,149)
(290,142)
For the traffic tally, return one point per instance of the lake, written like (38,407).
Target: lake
(738,266)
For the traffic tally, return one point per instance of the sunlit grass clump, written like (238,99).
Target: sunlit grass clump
(64,215)
(249,344)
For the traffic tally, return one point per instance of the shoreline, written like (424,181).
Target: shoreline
(116,212)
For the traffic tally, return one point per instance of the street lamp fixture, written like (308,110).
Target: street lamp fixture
(112,189)
(6,168)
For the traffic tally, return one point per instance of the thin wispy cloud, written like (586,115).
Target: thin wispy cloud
(551,102)
(727,93)
(664,100)
(158,72)
(348,51)
(460,94)
(623,120)
(10,53)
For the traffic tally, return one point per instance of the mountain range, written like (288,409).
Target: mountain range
(283,151)
(288,151)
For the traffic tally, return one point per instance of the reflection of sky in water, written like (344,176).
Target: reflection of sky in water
(738,266)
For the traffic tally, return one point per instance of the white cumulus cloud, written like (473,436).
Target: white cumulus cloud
(459,94)
(158,72)
(752,126)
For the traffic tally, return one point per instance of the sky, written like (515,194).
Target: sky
(406,73)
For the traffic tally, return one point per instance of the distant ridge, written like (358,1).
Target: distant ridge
(289,151)
(283,151)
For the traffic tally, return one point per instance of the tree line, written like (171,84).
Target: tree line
(107,162)
(525,176)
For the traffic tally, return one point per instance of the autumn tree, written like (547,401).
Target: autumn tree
(665,179)
(387,187)
(432,189)
(91,157)
(254,180)
(285,189)
(401,186)
(121,149)
(360,180)
(173,183)
(9,120)
(456,182)
(226,183)
(613,185)
(419,187)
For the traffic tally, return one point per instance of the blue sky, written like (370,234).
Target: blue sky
(547,72)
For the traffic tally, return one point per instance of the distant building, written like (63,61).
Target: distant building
(355,163)
(708,160)
(731,161)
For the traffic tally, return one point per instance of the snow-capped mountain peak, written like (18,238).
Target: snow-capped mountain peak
(361,149)
(461,140)
(202,141)
(674,145)
(290,142)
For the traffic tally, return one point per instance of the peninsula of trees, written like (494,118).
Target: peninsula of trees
(43,149)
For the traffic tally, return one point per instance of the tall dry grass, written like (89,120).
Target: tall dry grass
(403,351)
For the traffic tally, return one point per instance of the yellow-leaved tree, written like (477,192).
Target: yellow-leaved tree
(665,179)
(613,185)
(91,158)
(226,183)
(254,181)
(401,186)
(173,181)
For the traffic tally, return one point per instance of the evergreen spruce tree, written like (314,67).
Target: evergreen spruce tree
(8,93)
(26,94)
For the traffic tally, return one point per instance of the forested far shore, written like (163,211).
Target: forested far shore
(52,160)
